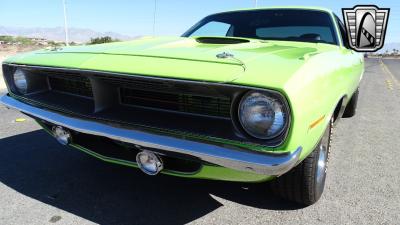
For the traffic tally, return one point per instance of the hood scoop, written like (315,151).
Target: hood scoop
(221,40)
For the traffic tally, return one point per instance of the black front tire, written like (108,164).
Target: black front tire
(351,107)
(305,183)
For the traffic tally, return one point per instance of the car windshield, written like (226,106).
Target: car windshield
(269,24)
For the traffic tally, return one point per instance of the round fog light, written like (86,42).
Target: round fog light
(149,162)
(63,136)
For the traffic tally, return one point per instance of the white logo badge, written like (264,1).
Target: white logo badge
(366,27)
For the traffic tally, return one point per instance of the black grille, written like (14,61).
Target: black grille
(187,103)
(141,84)
(73,84)
(186,109)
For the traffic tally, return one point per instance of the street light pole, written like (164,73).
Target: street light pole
(65,24)
(154,18)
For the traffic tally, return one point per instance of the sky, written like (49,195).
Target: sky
(173,17)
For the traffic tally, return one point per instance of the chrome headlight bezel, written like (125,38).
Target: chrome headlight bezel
(279,99)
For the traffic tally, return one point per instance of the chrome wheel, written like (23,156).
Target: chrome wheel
(322,162)
(305,183)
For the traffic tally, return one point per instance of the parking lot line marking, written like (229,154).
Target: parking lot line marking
(387,71)
(389,84)
(20,120)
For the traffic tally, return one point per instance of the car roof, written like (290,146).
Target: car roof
(281,7)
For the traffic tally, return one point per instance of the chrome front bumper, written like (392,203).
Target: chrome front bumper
(226,156)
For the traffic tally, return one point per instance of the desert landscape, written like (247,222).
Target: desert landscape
(18,40)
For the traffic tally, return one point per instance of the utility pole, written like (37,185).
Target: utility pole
(154,18)
(65,24)
(256,3)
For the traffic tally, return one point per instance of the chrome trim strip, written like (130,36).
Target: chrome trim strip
(226,156)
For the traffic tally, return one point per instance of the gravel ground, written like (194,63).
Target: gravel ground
(42,182)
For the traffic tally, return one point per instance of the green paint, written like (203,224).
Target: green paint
(312,76)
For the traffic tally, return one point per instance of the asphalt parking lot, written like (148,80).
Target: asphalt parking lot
(42,182)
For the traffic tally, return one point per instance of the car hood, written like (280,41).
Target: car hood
(248,62)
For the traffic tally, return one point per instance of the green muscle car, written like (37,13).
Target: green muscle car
(248,95)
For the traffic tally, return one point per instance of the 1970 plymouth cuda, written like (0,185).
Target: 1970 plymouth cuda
(248,95)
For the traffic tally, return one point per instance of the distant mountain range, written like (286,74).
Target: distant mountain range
(79,35)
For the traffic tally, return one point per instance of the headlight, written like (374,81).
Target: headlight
(263,115)
(20,81)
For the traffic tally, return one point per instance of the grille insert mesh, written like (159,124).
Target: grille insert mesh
(187,103)
(75,85)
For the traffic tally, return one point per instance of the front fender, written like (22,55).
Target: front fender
(315,90)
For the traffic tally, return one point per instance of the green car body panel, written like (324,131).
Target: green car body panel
(315,78)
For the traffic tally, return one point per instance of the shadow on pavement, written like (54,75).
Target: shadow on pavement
(36,166)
